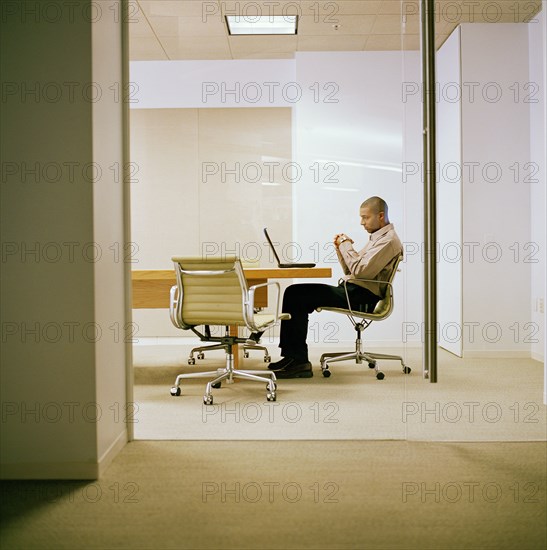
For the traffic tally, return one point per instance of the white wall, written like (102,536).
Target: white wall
(496,213)
(538,196)
(352,114)
(352,136)
(449,196)
(501,127)
(205,187)
(223,83)
(108,231)
(59,377)
(347,111)
(538,150)
(412,328)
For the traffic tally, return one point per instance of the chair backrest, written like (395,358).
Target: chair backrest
(384,307)
(212,291)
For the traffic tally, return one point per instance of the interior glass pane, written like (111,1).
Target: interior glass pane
(232,134)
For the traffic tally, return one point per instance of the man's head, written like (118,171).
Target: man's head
(373,214)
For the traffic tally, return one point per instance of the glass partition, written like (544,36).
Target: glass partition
(231,134)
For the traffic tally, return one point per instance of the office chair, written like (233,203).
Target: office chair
(213,291)
(252,343)
(382,311)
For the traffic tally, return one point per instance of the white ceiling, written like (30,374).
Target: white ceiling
(196,29)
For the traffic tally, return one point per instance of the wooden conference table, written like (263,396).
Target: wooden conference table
(151,287)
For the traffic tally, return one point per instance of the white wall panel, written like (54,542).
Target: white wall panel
(496,212)
(449,196)
(538,152)
(349,145)
(349,113)
(224,83)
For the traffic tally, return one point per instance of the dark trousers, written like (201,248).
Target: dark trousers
(302,299)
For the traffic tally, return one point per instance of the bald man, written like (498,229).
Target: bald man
(375,261)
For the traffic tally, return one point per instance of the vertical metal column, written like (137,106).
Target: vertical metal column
(427,9)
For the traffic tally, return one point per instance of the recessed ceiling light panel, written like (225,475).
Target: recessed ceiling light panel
(255,25)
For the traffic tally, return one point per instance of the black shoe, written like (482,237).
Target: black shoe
(295,370)
(278,365)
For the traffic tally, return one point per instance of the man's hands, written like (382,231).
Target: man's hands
(340,238)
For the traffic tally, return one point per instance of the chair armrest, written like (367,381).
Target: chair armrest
(173,305)
(249,304)
(173,299)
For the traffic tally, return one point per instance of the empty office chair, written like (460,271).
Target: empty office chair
(213,291)
(252,343)
(382,311)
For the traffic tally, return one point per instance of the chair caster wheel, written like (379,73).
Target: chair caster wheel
(216,385)
(407,370)
(191,361)
(246,355)
(371,365)
(207,399)
(271,396)
(267,359)
(326,373)
(175,391)
(201,355)
(380,375)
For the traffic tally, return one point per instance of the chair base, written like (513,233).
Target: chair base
(360,356)
(246,349)
(199,350)
(228,374)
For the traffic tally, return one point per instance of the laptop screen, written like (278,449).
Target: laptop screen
(271,245)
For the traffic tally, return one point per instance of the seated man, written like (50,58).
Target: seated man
(375,261)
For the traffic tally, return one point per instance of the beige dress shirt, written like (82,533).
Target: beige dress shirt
(375,261)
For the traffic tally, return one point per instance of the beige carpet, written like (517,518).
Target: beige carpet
(285,495)
(474,400)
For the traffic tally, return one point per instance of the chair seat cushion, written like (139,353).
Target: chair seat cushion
(264,320)
(378,313)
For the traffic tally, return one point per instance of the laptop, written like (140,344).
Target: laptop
(279,264)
